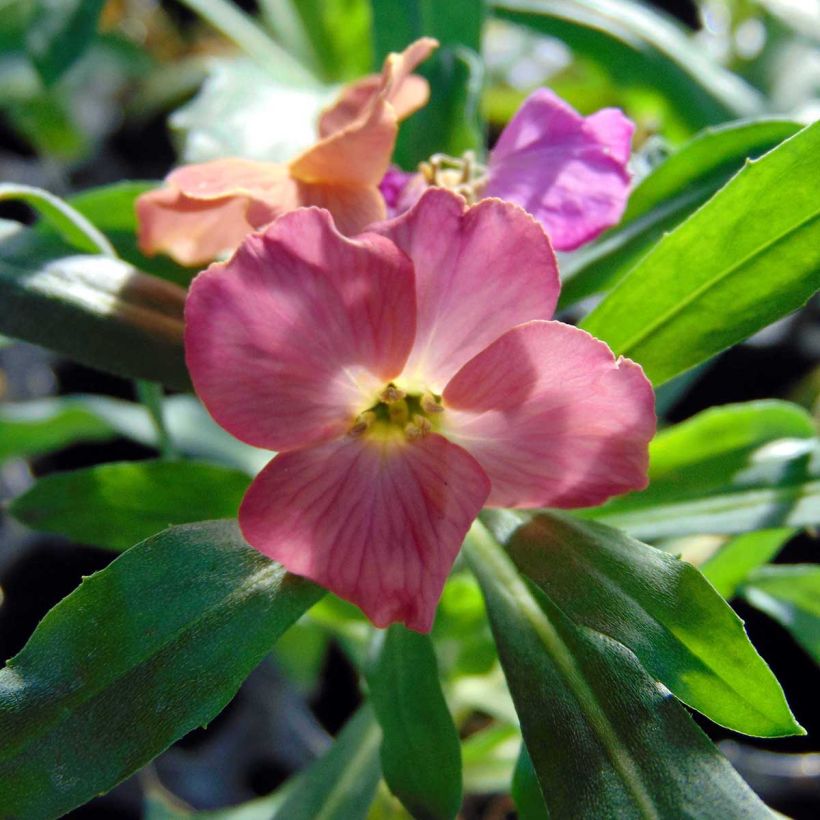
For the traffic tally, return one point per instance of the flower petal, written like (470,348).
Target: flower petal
(552,417)
(286,340)
(567,170)
(191,231)
(378,522)
(479,271)
(406,92)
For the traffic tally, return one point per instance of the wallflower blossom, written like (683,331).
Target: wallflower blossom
(568,171)
(408,377)
(204,211)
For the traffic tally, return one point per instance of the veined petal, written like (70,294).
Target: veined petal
(479,271)
(552,417)
(286,340)
(377,521)
(191,231)
(567,170)
(406,92)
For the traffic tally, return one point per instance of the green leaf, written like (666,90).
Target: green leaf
(732,563)
(33,428)
(780,488)
(526,792)
(117,504)
(758,259)
(342,783)
(99,311)
(420,753)
(641,46)
(682,631)
(140,654)
(605,740)
(489,758)
(665,197)
(451,121)
(111,208)
(72,226)
(789,593)
(59,33)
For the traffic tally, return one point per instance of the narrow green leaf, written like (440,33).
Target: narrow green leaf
(72,226)
(59,33)
(665,197)
(142,652)
(526,792)
(641,46)
(605,740)
(420,753)
(99,311)
(758,259)
(682,631)
(789,593)
(342,783)
(33,428)
(116,505)
(732,563)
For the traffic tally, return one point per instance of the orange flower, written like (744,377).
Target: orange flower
(205,211)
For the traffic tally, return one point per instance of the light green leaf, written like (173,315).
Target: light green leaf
(641,46)
(757,259)
(420,753)
(489,758)
(789,593)
(733,562)
(99,311)
(591,716)
(37,427)
(341,784)
(682,631)
(142,652)
(665,197)
(116,505)
(59,33)
(72,226)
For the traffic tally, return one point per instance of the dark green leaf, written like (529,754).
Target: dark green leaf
(141,653)
(59,33)
(789,593)
(757,259)
(733,562)
(641,46)
(664,198)
(451,121)
(420,753)
(33,428)
(341,784)
(682,631)
(526,791)
(605,740)
(115,505)
(99,311)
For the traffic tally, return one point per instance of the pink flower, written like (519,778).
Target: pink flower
(407,377)
(568,171)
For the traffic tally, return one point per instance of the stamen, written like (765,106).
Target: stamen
(391,393)
(418,428)
(362,423)
(430,404)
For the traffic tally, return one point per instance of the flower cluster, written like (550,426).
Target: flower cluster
(407,371)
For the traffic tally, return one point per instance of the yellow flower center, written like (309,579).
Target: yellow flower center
(413,415)
(464,175)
